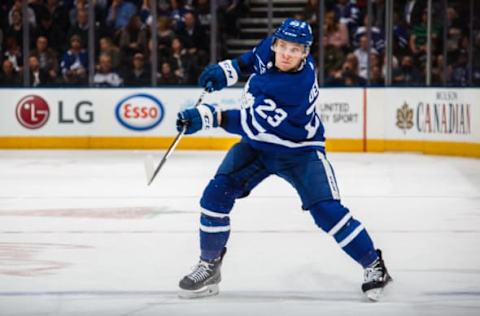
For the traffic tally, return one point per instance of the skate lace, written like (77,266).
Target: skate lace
(200,272)
(374,273)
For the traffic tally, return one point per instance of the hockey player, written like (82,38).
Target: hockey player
(281,135)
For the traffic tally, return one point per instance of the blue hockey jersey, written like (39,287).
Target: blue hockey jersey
(278,108)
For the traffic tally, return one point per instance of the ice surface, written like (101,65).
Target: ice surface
(82,234)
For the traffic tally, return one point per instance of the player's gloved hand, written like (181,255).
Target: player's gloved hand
(202,117)
(223,74)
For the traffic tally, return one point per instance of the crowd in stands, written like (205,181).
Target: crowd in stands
(58,52)
(346,42)
(123,43)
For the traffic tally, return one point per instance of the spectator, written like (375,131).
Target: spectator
(379,12)
(375,61)
(80,27)
(336,32)
(348,74)
(9,76)
(348,14)
(108,47)
(101,12)
(378,41)
(376,78)
(334,57)
(418,38)
(106,76)
(400,36)
(55,35)
(167,76)
(40,9)
(75,62)
(394,65)
(454,30)
(38,77)
(163,9)
(178,10)
(363,56)
(460,71)
(132,38)
(58,14)
(138,75)
(15,29)
(182,63)
(17,6)
(192,35)
(202,9)
(80,5)
(310,13)
(165,35)
(438,71)
(13,53)
(46,57)
(407,74)
(119,13)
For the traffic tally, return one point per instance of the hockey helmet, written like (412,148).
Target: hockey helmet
(294,30)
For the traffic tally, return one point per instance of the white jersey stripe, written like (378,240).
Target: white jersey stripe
(340,224)
(351,237)
(273,139)
(330,177)
(255,123)
(213,214)
(214,229)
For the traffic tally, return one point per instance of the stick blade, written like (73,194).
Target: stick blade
(149,168)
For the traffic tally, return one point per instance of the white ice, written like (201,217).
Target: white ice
(82,234)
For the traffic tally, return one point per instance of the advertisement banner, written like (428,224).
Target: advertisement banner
(451,115)
(101,112)
(145,112)
(341,112)
(355,119)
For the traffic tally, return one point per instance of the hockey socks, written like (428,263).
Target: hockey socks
(349,233)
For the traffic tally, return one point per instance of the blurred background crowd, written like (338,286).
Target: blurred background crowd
(58,53)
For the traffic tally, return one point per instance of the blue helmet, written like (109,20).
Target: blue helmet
(294,30)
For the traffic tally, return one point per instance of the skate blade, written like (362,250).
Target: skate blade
(374,295)
(209,290)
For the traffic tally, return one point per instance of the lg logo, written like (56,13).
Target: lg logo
(33,112)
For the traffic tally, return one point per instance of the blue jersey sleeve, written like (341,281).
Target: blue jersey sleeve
(257,60)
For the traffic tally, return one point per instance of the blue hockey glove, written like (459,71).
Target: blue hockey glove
(223,74)
(202,117)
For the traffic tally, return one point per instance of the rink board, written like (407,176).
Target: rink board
(430,120)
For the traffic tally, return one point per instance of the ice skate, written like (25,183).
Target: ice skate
(203,281)
(376,277)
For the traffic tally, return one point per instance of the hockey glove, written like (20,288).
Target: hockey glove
(202,117)
(223,74)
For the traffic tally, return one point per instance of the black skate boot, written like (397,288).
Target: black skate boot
(376,277)
(204,279)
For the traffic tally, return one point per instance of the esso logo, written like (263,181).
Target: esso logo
(139,112)
(32,111)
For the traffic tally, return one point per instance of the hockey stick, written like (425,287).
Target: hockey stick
(149,164)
